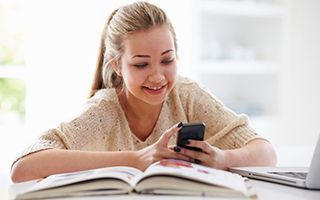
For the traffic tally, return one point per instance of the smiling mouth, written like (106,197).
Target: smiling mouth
(155,88)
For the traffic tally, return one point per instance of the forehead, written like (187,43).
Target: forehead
(153,40)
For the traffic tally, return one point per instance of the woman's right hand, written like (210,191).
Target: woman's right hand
(159,150)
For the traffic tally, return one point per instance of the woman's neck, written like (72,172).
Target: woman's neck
(138,108)
(141,116)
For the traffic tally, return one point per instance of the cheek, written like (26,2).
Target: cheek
(171,72)
(135,78)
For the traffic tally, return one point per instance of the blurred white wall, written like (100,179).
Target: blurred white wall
(299,122)
(62,44)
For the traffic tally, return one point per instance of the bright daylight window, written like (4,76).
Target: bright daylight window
(12,85)
(12,60)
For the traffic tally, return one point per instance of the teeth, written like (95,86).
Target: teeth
(155,88)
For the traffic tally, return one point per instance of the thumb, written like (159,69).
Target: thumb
(165,137)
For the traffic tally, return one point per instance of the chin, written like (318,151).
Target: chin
(155,103)
(154,98)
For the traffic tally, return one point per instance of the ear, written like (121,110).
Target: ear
(116,67)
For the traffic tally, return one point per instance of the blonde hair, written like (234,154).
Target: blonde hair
(122,22)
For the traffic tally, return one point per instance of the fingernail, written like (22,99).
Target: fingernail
(197,161)
(180,124)
(176,149)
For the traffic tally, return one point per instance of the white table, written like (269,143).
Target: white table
(265,191)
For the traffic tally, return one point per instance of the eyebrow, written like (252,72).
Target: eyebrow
(147,56)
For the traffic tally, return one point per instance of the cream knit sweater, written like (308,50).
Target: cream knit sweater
(102,126)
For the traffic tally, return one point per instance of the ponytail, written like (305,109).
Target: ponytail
(97,83)
(104,76)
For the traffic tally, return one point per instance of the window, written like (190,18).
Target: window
(12,60)
(12,85)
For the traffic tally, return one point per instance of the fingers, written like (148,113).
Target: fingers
(164,139)
(205,146)
(192,154)
(210,155)
(183,157)
(198,157)
(176,155)
(172,147)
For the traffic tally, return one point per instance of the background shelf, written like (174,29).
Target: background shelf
(238,53)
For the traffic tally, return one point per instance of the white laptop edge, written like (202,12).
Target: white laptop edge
(261,173)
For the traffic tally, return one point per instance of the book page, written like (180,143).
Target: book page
(125,174)
(187,170)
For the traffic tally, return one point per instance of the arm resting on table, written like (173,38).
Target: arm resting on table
(54,161)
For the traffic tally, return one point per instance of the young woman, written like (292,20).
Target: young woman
(136,103)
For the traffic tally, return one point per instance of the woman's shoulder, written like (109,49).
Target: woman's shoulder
(185,83)
(188,89)
(103,98)
(103,95)
(184,80)
(102,107)
(186,86)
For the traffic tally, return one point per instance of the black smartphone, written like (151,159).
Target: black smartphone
(193,131)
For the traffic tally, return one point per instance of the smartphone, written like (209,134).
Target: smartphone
(193,131)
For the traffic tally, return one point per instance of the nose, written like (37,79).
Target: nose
(156,76)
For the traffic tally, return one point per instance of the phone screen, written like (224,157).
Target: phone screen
(193,131)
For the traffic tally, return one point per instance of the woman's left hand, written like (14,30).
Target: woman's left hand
(210,156)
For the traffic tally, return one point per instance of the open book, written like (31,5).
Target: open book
(174,177)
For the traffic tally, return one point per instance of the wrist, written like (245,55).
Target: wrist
(234,158)
(135,157)
(228,159)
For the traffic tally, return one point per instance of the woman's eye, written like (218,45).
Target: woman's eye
(141,65)
(167,61)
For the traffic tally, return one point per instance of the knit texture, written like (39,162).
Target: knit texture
(102,126)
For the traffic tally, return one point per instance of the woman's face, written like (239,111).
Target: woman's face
(148,65)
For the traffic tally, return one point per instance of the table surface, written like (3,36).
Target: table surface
(265,191)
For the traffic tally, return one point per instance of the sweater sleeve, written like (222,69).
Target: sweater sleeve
(224,128)
(88,131)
